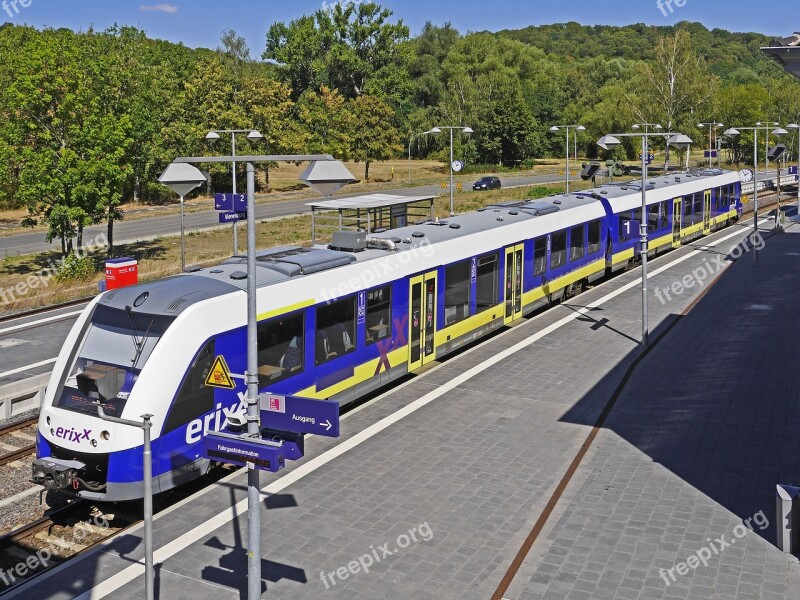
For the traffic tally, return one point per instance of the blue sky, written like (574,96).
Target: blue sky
(200,22)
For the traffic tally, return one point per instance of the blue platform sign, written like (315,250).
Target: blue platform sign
(232,217)
(231,202)
(793,170)
(712,154)
(630,228)
(240,450)
(299,415)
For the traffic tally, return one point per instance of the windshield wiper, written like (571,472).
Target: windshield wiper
(138,344)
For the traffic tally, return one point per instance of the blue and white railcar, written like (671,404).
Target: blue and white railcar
(333,322)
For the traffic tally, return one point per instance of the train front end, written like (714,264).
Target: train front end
(99,365)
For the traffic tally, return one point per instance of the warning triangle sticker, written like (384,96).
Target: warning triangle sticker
(220,376)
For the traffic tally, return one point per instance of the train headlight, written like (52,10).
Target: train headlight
(94,443)
(105,435)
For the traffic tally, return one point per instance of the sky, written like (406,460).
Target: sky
(199,23)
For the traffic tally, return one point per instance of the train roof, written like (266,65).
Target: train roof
(286,263)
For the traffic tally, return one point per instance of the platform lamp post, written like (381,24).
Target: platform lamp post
(774,154)
(325,175)
(608,142)
(711,127)
(796,127)
(577,128)
(252,135)
(410,140)
(647,126)
(451,128)
(182,179)
(147,479)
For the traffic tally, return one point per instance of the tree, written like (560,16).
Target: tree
(676,83)
(374,136)
(326,121)
(674,86)
(71,147)
(350,47)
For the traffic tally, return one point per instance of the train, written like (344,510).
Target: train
(335,321)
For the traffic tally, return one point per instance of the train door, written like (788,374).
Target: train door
(707,212)
(677,214)
(422,305)
(513,287)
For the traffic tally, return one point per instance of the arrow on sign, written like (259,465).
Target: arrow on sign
(327,425)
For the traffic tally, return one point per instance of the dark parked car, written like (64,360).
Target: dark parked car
(486,183)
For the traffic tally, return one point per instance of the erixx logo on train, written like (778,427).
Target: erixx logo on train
(214,421)
(72,434)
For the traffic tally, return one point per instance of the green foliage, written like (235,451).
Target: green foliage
(351,47)
(76,268)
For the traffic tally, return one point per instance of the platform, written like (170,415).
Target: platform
(441,480)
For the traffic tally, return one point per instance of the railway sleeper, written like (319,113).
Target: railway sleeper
(53,541)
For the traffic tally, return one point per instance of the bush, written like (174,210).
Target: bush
(76,268)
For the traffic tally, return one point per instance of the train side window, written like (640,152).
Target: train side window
(336,330)
(595,228)
(195,398)
(653,216)
(687,211)
(698,207)
(457,292)
(558,249)
(379,314)
(488,273)
(280,348)
(576,242)
(539,255)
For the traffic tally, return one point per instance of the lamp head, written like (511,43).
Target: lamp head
(554,128)
(255,135)
(680,141)
(779,132)
(467,130)
(436,130)
(608,142)
(580,128)
(212,136)
(793,126)
(658,126)
(731,132)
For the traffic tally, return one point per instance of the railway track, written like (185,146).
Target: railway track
(55,538)
(11,451)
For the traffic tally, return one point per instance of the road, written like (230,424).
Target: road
(140,229)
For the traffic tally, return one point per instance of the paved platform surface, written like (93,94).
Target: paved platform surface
(438,482)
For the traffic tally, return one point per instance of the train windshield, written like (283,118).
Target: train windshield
(114,350)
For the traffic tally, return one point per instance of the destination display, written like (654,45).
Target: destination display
(238,450)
